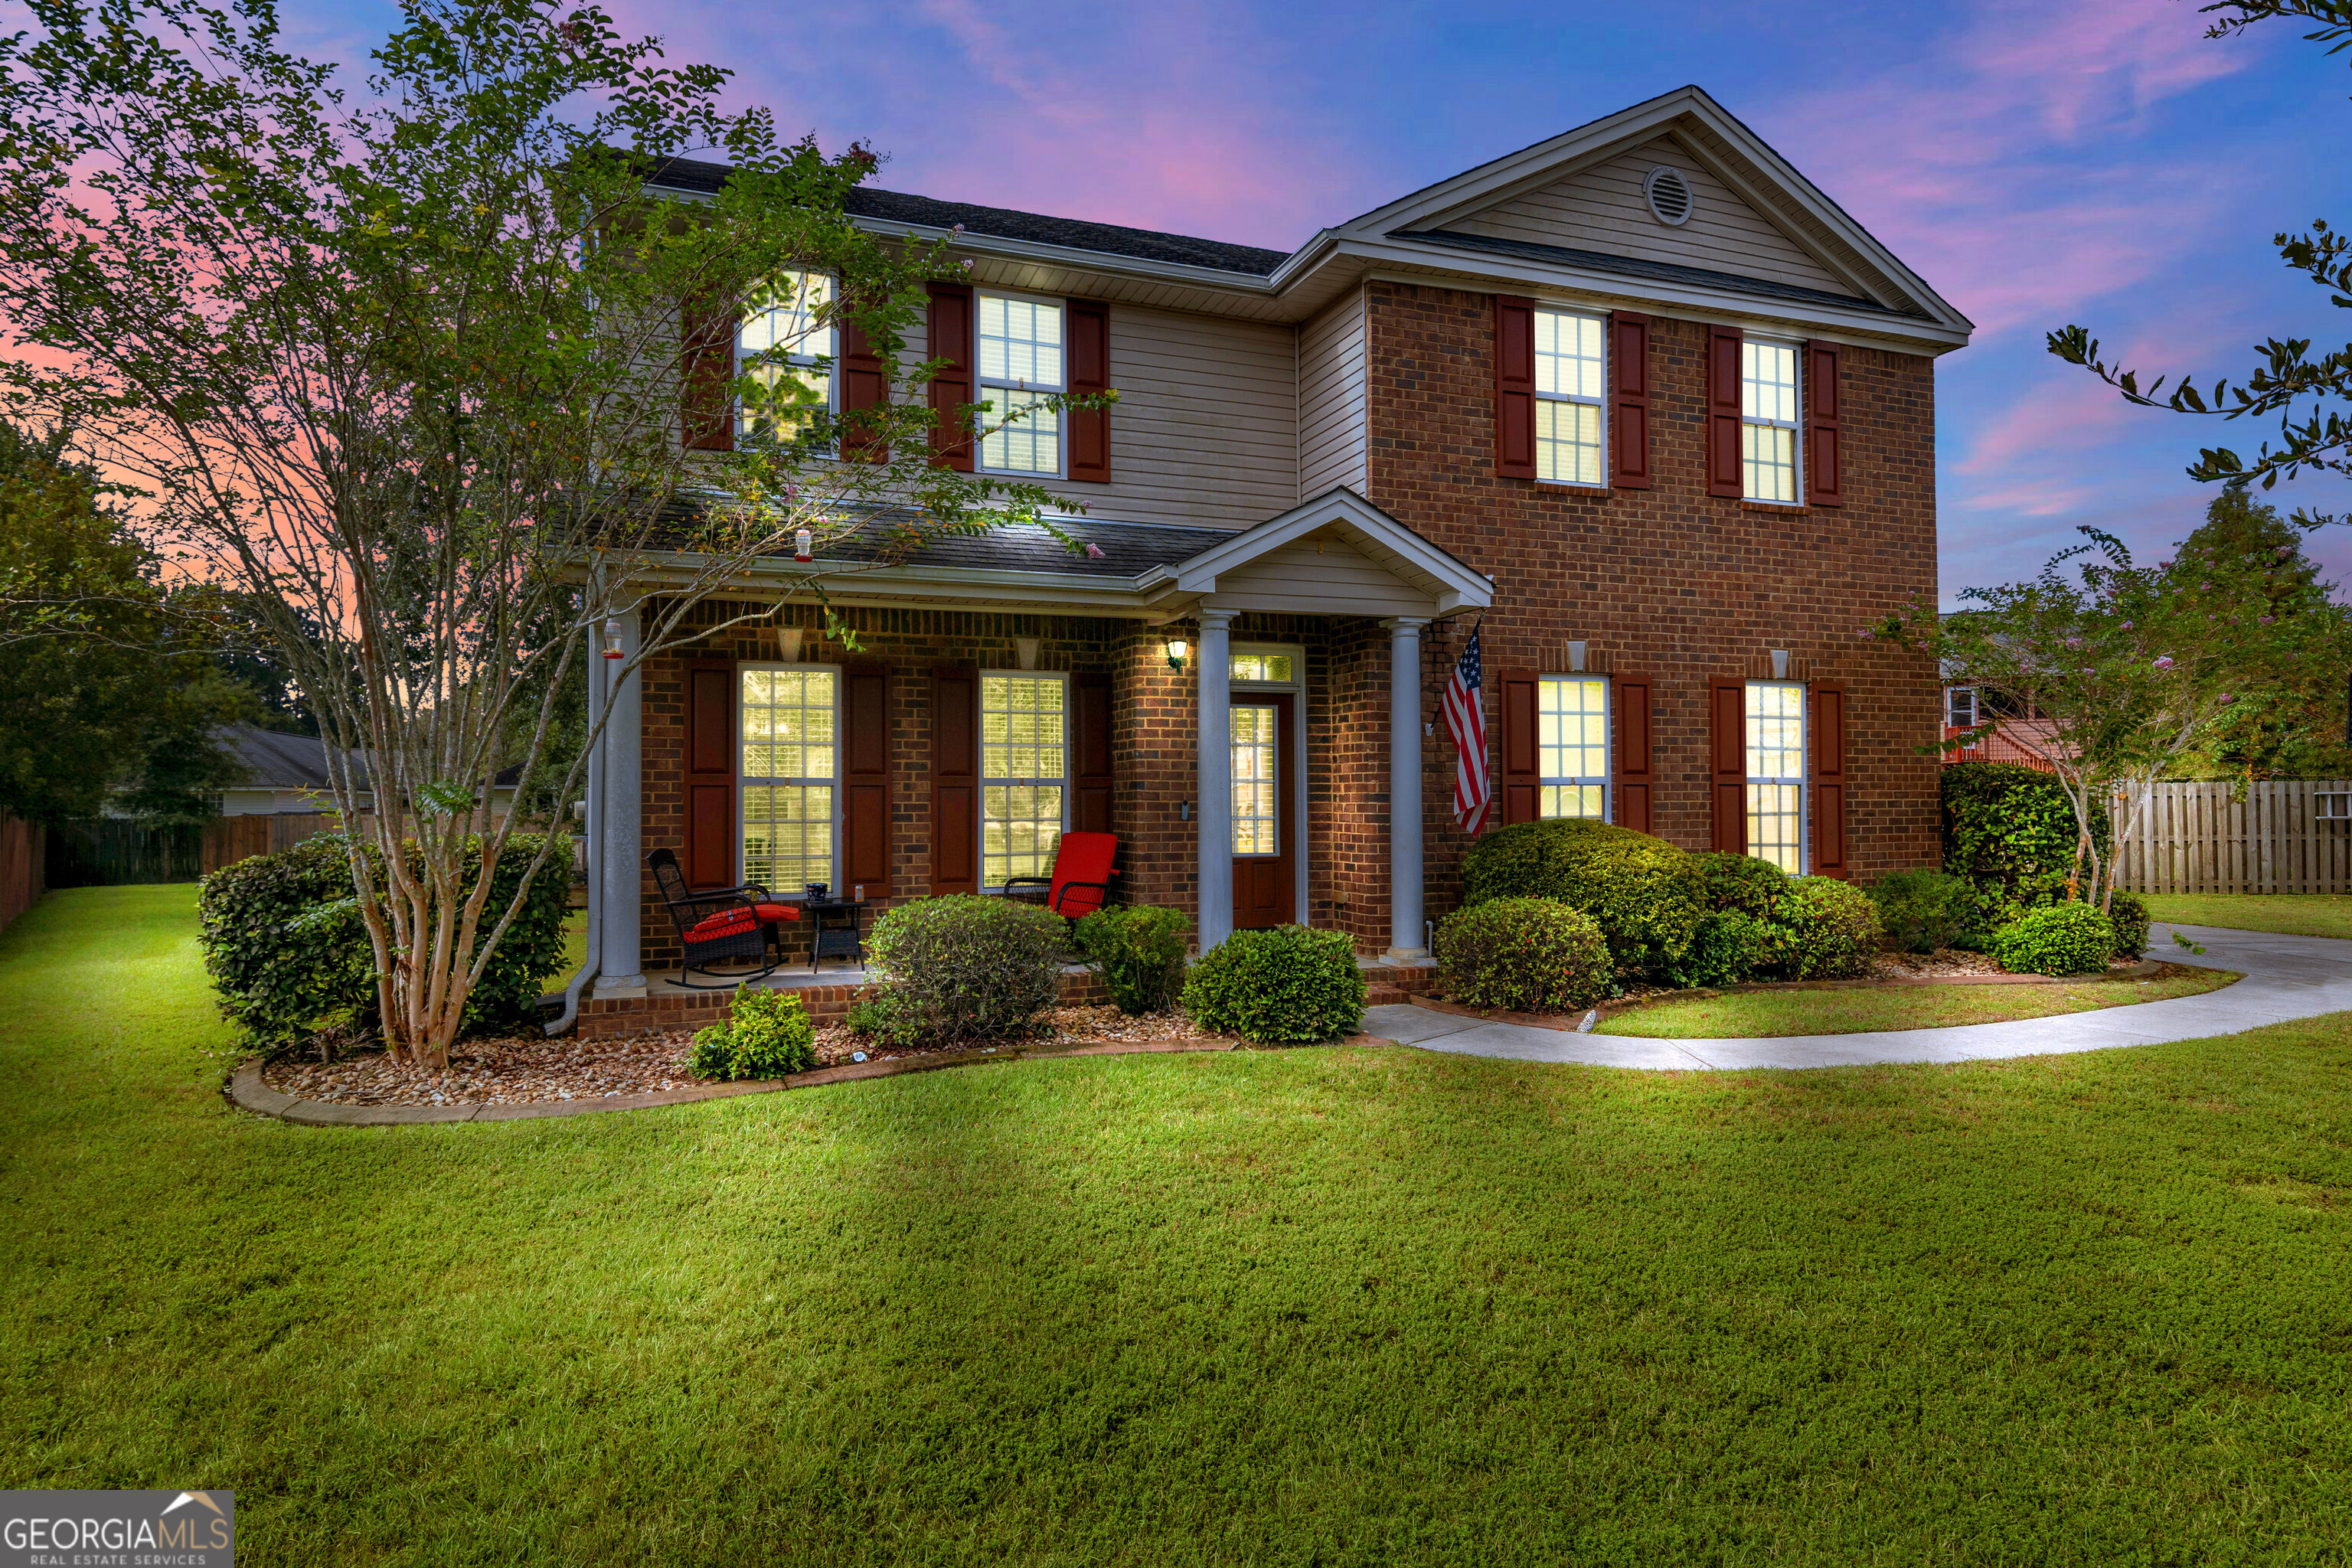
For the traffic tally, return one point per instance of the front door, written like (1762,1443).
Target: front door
(1263,770)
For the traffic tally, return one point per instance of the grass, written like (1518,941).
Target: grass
(1333,1305)
(575,947)
(2295,914)
(1750,1014)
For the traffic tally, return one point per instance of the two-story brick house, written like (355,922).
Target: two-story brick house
(1639,398)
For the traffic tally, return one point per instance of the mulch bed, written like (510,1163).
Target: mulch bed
(524,1070)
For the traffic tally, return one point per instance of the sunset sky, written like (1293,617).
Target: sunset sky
(2092,161)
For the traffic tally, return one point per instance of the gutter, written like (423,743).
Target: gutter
(592,832)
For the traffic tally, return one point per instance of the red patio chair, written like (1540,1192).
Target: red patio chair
(721,926)
(1080,884)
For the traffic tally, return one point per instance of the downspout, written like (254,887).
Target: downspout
(592,845)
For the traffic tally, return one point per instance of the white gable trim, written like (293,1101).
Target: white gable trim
(1449,585)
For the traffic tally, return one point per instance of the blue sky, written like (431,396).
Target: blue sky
(2092,161)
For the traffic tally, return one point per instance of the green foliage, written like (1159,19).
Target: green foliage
(2056,939)
(881,1017)
(1525,955)
(2010,829)
(1136,951)
(288,951)
(1644,893)
(1729,948)
(1821,929)
(1277,986)
(1922,911)
(2127,913)
(767,1034)
(965,967)
(1741,882)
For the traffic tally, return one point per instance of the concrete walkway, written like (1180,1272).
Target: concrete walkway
(2286,977)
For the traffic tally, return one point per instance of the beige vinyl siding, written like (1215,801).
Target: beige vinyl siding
(1602,209)
(1339,581)
(1205,431)
(1331,399)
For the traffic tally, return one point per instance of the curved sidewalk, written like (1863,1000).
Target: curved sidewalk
(2286,977)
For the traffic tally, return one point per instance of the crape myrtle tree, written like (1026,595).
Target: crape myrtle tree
(2124,669)
(399,366)
(2310,396)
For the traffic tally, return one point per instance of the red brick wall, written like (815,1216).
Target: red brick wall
(1670,580)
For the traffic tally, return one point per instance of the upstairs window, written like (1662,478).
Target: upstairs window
(1572,746)
(1020,345)
(780,322)
(1767,420)
(1571,382)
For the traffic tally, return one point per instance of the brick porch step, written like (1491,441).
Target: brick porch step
(1382,995)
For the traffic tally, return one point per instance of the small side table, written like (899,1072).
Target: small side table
(838,930)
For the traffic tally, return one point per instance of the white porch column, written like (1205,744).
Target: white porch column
(622,853)
(1213,667)
(1406,939)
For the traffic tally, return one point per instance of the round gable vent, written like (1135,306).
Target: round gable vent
(1669,196)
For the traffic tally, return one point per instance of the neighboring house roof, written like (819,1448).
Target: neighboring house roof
(274,759)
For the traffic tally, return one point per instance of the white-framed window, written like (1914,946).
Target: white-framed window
(1257,745)
(1572,746)
(782,316)
(1571,392)
(1960,707)
(1019,340)
(1767,420)
(1025,751)
(1264,667)
(1776,773)
(788,719)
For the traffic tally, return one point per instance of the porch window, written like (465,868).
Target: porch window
(1570,384)
(1269,668)
(1025,768)
(780,324)
(1020,343)
(1767,420)
(1573,746)
(1256,830)
(1776,773)
(789,717)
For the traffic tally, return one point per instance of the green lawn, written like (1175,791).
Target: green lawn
(1751,1014)
(2297,914)
(1332,1306)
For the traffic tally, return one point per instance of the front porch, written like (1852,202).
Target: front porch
(983,711)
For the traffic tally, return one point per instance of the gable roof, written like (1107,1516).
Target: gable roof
(275,760)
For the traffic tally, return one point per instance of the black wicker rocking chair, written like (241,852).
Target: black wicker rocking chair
(724,925)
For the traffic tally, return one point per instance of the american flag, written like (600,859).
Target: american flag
(1465,720)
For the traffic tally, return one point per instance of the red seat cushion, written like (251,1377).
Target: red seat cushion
(737,920)
(780,911)
(1082,858)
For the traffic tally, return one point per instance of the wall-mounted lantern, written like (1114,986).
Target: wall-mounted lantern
(1177,650)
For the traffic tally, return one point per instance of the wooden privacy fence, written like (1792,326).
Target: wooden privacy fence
(230,839)
(22,873)
(2269,836)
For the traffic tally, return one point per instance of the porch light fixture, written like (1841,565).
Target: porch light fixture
(611,638)
(1177,648)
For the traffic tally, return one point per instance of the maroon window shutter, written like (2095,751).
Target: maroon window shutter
(1824,448)
(1089,342)
(955,781)
(951,329)
(1633,776)
(865,384)
(1728,760)
(1515,387)
(1629,365)
(1091,779)
(1723,407)
(865,779)
(1522,778)
(707,855)
(1827,700)
(707,376)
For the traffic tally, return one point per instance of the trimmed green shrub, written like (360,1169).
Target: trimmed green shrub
(1729,948)
(1138,951)
(1525,955)
(287,952)
(2009,830)
(1645,894)
(962,967)
(2127,912)
(1741,882)
(2056,939)
(880,1018)
(1821,929)
(1922,911)
(767,1034)
(1279,987)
